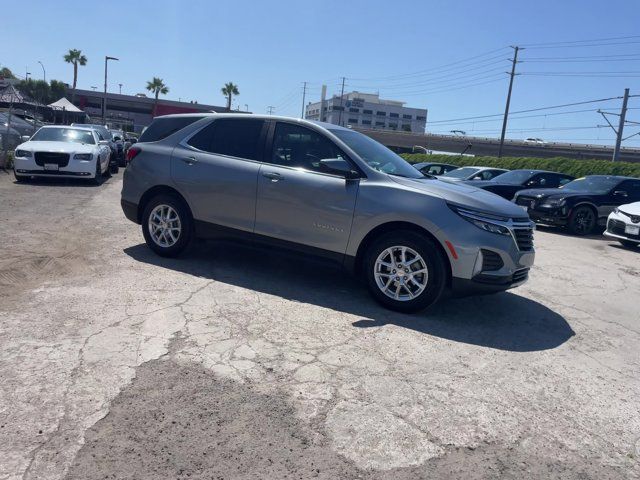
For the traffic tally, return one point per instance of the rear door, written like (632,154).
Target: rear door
(217,168)
(299,202)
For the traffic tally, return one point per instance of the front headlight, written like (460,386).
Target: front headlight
(554,202)
(83,156)
(482,220)
(23,153)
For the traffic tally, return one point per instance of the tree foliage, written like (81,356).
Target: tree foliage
(570,166)
(229,90)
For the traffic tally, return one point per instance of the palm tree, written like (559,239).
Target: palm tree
(229,90)
(158,87)
(76,58)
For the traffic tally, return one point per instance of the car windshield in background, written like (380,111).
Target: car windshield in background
(377,155)
(599,185)
(63,135)
(463,172)
(515,176)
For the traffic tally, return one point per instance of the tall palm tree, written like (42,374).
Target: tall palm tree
(229,90)
(76,58)
(158,87)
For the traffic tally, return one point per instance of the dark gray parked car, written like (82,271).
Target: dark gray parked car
(325,190)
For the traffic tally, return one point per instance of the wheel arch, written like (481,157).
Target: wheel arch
(159,190)
(383,228)
(586,203)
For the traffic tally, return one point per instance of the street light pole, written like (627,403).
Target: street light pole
(44,73)
(104,98)
(120,86)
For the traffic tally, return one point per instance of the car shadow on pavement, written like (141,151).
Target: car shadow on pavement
(503,321)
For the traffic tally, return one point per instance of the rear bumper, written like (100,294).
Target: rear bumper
(130,210)
(487,283)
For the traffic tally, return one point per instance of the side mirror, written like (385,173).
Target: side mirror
(620,193)
(25,138)
(104,142)
(338,166)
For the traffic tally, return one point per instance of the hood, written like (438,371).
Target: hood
(632,208)
(463,195)
(62,147)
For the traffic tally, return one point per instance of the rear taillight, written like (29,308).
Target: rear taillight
(132,153)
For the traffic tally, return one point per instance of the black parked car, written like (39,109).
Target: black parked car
(582,204)
(434,168)
(507,184)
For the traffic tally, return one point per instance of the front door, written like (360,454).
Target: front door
(298,201)
(217,170)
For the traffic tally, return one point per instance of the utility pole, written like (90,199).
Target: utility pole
(506,108)
(104,98)
(304,94)
(623,114)
(270,110)
(341,107)
(120,89)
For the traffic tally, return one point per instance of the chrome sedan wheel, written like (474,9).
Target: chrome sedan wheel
(401,273)
(164,226)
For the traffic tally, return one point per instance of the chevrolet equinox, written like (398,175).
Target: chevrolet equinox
(324,190)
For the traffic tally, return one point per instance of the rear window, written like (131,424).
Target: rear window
(163,127)
(227,136)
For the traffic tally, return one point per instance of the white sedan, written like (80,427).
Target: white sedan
(623,224)
(60,151)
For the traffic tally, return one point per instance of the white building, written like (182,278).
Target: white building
(367,110)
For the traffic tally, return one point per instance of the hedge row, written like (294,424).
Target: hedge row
(576,168)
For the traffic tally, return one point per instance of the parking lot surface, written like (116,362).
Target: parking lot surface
(236,363)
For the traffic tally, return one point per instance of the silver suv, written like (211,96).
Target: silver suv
(325,190)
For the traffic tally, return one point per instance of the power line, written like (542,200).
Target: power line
(529,110)
(437,68)
(571,42)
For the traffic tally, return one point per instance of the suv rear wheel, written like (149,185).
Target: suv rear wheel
(167,225)
(405,271)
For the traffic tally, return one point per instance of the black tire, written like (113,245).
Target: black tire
(97,180)
(629,243)
(186,224)
(113,168)
(583,220)
(434,261)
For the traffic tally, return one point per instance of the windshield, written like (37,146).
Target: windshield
(516,176)
(463,172)
(599,185)
(377,155)
(64,135)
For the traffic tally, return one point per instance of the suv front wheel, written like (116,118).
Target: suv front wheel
(405,271)
(167,225)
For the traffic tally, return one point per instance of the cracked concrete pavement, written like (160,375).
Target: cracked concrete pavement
(236,363)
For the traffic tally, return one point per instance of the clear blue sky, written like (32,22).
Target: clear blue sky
(270,47)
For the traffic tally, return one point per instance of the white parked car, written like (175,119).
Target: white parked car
(623,224)
(61,151)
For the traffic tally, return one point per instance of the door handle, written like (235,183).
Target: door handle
(273,176)
(190,160)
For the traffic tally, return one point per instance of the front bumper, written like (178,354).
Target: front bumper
(617,226)
(487,284)
(75,168)
(558,216)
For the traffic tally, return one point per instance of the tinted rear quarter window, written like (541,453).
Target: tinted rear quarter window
(163,127)
(233,137)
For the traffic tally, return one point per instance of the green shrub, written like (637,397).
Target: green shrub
(570,166)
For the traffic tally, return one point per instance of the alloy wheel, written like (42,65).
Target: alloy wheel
(164,225)
(401,273)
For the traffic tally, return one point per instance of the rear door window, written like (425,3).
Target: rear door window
(229,136)
(163,127)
